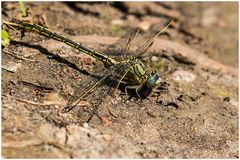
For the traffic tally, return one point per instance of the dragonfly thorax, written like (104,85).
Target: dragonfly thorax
(139,76)
(137,73)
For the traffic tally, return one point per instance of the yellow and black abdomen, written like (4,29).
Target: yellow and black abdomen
(45,32)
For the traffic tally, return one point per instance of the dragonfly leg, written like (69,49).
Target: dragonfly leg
(120,80)
(126,88)
(136,88)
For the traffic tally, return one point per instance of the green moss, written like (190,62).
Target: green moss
(22,8)
(159,65)
(115,29)
(5,38)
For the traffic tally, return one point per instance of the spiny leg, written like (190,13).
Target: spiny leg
(136,88)
(120,80)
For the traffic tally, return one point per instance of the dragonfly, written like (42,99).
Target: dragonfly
(127,68)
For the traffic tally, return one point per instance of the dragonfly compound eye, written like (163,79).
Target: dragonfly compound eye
(154,80)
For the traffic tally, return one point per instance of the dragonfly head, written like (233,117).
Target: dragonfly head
(153,80)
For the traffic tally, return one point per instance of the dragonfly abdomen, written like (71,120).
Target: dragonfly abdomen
(45,32)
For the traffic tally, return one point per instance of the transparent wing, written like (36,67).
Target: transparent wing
(104,82)
(119,48)
(134,43)
(147,39)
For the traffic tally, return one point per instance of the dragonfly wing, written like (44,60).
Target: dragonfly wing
(92,84)
(120,47)
(149,37)
(135,44)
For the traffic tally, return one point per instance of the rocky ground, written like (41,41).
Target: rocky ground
(193,113)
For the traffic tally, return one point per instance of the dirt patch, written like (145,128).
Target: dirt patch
(192,113)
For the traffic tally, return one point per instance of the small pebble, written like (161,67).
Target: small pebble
(154,59)
(181,75)
(107,137)
(117,22)
(145,25)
